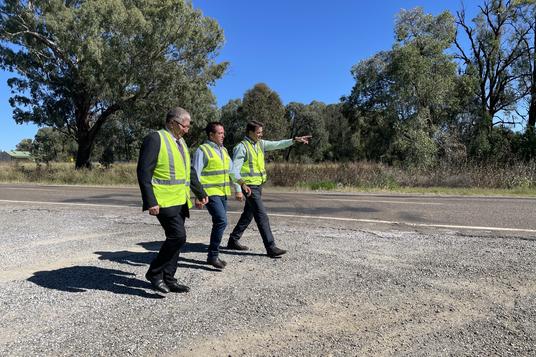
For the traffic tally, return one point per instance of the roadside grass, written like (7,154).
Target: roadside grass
(65,174)
(460,179)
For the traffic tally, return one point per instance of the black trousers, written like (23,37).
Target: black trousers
(254,208)
(164,266)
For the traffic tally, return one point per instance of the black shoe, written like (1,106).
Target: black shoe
(158,284)
(217,262)
(178,288)
(234,245)
(275,252)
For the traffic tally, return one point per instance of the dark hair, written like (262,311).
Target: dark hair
(253,125)
(211,127)
(177,114)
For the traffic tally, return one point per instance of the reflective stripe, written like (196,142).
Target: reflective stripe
(250,158)
(208,152)
(170,159)
(208,185)
(170,182)
(252,174)
(214,173)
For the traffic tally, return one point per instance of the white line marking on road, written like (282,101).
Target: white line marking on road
(71,204)
(499,229)
(372,201)
(480,228)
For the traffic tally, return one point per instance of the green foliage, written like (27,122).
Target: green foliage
(44,148)
(25,145)
(80,62)
(322,185)
(51,145)
(413,146)
(403,97)
(107,157)
(263,104)
(308,120)
(234,123)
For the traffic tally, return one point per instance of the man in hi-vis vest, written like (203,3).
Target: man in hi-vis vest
(165,179)
(213,164)
(249,172)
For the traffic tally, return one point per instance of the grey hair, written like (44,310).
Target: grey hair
(177,114)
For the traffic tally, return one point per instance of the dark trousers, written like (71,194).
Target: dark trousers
(254,208)
(164,266)
(217,207)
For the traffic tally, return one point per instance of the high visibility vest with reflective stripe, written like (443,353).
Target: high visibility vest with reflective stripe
(253,171)
(171,177)
(215,175)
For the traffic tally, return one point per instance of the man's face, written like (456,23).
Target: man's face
(180,129)
(218,136)
(256,135)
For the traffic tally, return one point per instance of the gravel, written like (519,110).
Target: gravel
(71,283)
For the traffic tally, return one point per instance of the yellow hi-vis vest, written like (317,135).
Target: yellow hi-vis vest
(253,171)
(171,176)
(215,175)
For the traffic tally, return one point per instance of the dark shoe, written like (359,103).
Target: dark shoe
(234,245)
(158,284)
(178,288)
(275,252)
(217,263)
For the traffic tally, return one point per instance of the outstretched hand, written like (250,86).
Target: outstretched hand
(303,139)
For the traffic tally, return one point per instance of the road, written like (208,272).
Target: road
(502,215)
(365,275)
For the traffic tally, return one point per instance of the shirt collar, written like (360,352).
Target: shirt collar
(250,140)
(213,144)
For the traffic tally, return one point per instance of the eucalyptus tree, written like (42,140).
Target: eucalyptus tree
(263,104)
(24,145)
(79,62)
(524,28)
(402,97)
(494,48)
(308,120)
(234,122)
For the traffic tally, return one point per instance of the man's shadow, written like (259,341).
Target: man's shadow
(78,279)
(152,248)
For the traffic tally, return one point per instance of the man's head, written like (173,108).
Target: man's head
(254,130)
(178,121)
(215,132)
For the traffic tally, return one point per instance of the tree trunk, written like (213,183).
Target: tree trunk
(85,146)
(532,109)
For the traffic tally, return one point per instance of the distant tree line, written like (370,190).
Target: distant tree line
(450,89)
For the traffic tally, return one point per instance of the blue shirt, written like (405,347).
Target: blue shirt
(239,153)
(199,161)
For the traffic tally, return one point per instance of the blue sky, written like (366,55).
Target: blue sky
(302,49)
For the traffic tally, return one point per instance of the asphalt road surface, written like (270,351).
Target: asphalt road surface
(503,215)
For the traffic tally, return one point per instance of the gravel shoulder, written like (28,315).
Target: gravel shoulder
(71,283)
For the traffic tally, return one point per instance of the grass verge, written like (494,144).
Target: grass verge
(462,179)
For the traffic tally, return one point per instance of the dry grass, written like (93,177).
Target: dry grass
(364,176)
(368,175)
(64,173)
